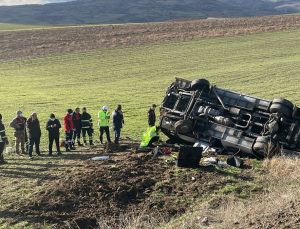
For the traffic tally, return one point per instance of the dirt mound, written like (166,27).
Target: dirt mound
(128,182)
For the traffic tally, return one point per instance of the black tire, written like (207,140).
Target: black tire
(260,146)
(200,84)
(282,106)
(284,102)
(184,126)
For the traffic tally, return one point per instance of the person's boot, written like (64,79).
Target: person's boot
(2,161)
(79,144)
(59,153)
(85,143)
(91,143)
(72,147)
(50,153)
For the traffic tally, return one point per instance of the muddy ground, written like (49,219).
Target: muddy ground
(41,42)
(127,184)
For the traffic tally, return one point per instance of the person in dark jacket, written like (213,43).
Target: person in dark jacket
(152,116)
(19,125)
(87,126)
(3,141)
(118,122)
(53,126)
(34,134)
(77,125)
(69,130)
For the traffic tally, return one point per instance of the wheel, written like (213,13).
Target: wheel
(184,126)
(200,84)
(284,102)
(260,146)
(282,106)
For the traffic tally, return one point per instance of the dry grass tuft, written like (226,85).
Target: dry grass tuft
(278,207)
(283,170)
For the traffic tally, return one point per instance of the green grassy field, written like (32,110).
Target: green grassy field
(265,65)
(261,65)
(15,27)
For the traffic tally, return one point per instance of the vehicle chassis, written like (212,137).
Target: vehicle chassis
(195,111)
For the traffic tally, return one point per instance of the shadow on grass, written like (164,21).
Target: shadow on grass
(16,174)
(74,155)
(41,167)
(13,218)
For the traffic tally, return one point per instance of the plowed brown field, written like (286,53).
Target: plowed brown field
(40,42)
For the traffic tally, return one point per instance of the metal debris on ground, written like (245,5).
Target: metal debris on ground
(100,158)
(210,161)
(235,162)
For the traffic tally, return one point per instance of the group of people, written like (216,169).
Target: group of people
(28,133)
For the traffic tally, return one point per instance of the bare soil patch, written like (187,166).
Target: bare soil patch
(41,42)
(127,183)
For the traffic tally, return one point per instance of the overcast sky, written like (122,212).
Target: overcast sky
(24,2)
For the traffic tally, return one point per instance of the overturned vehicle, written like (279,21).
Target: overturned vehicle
(194,111)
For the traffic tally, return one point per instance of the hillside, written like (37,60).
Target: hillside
(51,69)
(133,11)
(49,190)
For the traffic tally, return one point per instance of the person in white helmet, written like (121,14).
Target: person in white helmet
(103,122)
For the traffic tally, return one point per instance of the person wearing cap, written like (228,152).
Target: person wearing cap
(77,125)
(19,124)
(53,125)
(87,126)
(69,130)
(118,122)
(3,141)
(34,134)
(151,115)
(104,117)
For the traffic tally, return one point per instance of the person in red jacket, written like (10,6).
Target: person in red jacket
(69,130)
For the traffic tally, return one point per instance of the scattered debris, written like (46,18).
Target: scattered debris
(210,161)
(235,161)
(100,158)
